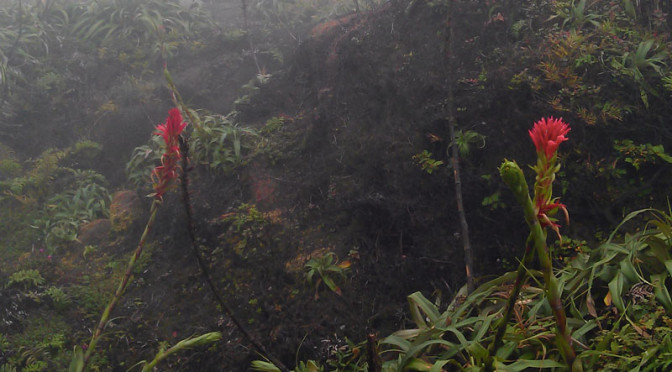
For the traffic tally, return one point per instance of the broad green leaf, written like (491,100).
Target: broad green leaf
(587,327)
(460,337)
(417,365)
(668,266)
(330,283)
(660,290)
(77,362)
(408,333)
(414,350)
(485,327)
(477,351)
(437,366)
(616,290)
(628,269)
(97,27)
(398,341)
(522,365)
(505,351)
(659,248)
(419,305)
(259,365)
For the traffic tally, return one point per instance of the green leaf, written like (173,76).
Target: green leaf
(408,333)
(668,266)
(660,290)
(523,364)
(397,340)
(419,305)
(505,351)
(259,365)
(628,269)
(437,366)
(477,351)
(77,362)
(410,355)
(616,289)
(330,284)
(659,248)
(590,325)
(664,156)
(417,365)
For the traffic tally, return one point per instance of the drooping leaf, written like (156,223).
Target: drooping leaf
(421,305)
(616,291)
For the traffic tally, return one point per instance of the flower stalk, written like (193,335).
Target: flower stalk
(122,285)
(163,177)
(547,134)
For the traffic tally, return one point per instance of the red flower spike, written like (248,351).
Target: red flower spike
(547,134)
(171,129)
(167,171)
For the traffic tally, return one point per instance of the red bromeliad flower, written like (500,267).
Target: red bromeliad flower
(167,171)
(547,134)
(548,208)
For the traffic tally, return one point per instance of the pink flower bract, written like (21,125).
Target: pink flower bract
(547,134)
(170,132)
(172,128)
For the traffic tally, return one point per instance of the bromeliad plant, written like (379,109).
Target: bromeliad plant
(326,267)
(547,134)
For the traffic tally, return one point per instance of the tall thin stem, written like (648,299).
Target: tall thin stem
(452,122)
(184,148)
(122,285)
(521,275)
(246,26)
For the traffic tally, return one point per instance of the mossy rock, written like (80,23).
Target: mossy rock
(95,232)
(125,210)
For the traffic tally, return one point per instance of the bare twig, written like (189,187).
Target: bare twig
(468,254)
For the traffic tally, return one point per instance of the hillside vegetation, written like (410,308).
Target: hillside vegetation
(311,217)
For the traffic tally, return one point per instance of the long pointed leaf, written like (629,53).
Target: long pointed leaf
(419,305)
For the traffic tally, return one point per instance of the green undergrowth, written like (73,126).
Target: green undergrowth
(45,203)
(615,294)
(605,66)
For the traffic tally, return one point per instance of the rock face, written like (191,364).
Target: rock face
(125,210)
(94,232)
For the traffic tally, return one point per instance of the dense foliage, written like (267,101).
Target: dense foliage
(319,171)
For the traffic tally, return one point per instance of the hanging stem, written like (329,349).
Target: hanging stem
(184,149)
(122,286)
